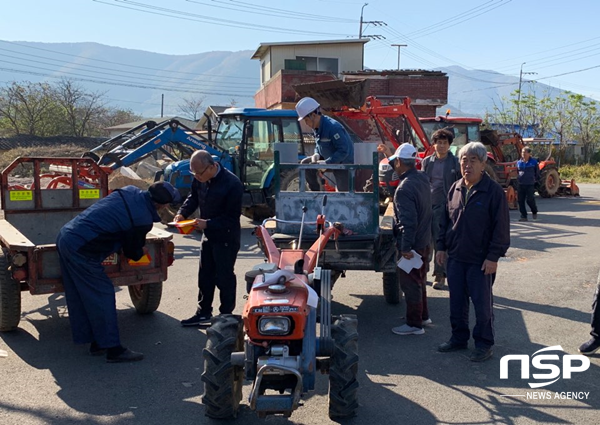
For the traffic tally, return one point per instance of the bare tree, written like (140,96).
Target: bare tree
(80,107)
(191,107)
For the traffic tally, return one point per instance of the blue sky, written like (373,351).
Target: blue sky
(557,40)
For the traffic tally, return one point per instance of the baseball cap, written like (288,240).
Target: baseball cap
(164,193)
(404,151)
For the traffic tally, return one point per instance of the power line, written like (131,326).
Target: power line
(187,16)
(124,64)
(111,82)
(118,73)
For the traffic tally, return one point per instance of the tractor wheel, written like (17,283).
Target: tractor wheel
(391,288)
(223,381)
(343,386)
(146,297)
(290,182)
(10,297)
(549,182)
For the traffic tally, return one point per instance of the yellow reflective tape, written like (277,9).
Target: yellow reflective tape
(89,193)
(21,195)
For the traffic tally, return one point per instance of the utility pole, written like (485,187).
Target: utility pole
(376,23)
(521,73)
(361,20)
(162,104)
(399,46)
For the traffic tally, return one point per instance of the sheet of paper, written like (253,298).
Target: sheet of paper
(414,263)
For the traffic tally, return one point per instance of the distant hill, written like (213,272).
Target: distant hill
(222,77)
(219,76)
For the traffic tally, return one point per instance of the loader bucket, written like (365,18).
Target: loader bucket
(336,94)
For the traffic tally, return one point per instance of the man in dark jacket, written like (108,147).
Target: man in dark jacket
(443,170)
(412,229)
(474,234)
(218,194)
(119,221)
(529,174)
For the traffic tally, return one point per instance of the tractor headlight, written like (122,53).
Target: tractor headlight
(274,325)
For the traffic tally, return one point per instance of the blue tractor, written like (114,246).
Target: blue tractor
(244,144)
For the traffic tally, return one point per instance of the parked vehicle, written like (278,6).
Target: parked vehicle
(275,344)
(34,213)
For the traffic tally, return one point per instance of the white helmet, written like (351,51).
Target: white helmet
(305,106)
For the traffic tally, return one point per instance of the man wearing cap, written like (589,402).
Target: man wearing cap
(119,221)
(217,192)
(333,143)
(443,170)
(412,229)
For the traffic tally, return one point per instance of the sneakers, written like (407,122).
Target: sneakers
(426,322)
(439,282)
(125,356)
(534,216)
(408,330)
(523,218)
(449,346)
(590,347)
(481,354)
(196,320)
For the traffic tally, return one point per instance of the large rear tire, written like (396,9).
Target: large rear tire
(10,296)
(549,182)
(391,288)
(222,381)
(343,385)
(146,298)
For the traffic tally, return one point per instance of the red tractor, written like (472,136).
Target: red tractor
(275,343)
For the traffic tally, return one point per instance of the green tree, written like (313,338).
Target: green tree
(586,124)
(81,109)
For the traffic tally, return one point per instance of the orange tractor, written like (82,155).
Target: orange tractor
(275,344)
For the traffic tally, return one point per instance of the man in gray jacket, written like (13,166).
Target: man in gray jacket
(412,229)
(443,170)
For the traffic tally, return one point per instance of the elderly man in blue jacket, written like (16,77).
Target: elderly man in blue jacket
(119,221)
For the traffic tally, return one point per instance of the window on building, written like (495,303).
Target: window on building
(320,64)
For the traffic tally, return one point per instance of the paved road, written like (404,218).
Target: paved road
(543,295)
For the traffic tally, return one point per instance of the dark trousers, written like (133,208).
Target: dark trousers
(466,280)
(216,271)
(90,296)
(436,220)
(525,192)
(596,313)
(414,286)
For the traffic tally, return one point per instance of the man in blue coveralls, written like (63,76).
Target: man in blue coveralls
(119,221)
(529,175)
(333,143)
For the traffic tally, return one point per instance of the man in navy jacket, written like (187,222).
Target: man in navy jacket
(218,193)
(529,174)
(119,221)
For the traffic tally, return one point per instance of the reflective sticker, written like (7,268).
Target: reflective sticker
(144,261)
(21,195)
(336,136)
(112,259)
(89,193)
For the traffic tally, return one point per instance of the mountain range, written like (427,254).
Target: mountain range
(137,80)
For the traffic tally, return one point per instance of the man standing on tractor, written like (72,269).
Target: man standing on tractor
(412,229)
(218,193)
(333,143)
(443,170)
(474,234)
(529,175)
(119,221)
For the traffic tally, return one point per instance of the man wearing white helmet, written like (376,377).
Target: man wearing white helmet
(333,143)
